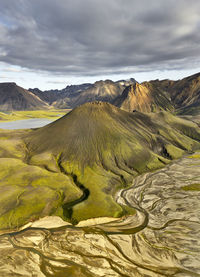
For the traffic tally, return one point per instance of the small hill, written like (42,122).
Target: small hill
(13,97)
(144,97)
(101,148)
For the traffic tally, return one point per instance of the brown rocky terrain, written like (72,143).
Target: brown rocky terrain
(184,94)
(144,97)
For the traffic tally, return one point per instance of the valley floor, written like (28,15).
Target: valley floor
(20,115)
(161,239)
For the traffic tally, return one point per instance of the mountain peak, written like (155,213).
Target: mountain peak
(103,82)
(96,104)
(8,84)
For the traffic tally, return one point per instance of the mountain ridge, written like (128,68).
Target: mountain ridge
(105,91)
(181,96)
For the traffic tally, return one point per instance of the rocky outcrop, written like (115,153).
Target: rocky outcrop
(143,97)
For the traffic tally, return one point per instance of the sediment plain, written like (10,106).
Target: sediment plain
(161,239)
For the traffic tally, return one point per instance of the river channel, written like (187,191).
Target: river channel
(161,239)
(25,123)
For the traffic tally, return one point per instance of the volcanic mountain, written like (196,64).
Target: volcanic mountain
(102,148)
(144,97)
(13,97)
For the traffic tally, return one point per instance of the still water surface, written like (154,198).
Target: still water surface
(26,123)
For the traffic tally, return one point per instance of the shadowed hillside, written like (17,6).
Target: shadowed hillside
(13,97)
(64,95)
(184,94)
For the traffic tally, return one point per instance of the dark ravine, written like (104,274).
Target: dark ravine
(68,207)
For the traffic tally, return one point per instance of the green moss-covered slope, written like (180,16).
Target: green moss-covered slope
(74,166)
(105,147)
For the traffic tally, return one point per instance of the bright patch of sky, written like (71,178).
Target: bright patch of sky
(46,81)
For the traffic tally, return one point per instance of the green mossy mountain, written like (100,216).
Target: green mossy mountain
(73,167)
(102,148)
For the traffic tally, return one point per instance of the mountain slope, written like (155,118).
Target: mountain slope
(13,97)
(70,92)
(184,94)
(102,148)
(47,96)
(105,91)
(143,97)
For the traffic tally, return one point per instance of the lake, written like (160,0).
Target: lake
(25,124)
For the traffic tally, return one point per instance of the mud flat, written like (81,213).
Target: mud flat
(161,239)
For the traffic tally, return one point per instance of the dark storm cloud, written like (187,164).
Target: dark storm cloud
(94,37)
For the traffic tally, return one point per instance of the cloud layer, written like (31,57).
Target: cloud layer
(93,37)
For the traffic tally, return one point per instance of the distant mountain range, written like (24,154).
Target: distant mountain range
(182,96)
(75,95)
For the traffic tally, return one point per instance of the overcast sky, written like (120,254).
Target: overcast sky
(50,44)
